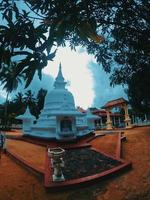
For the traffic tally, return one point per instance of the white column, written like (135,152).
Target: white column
(127,118)
(133,119)
(145,119)
(96,123)
(109,122)
(101,122)
(114,121)
(119,120)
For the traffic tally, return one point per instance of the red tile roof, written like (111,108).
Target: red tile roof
(114,103)
(102,113)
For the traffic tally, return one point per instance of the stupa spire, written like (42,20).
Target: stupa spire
(59,81)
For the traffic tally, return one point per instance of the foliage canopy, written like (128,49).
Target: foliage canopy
(116,32)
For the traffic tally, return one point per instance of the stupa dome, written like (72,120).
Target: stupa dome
(59,99)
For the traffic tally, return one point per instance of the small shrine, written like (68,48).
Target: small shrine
(27,119)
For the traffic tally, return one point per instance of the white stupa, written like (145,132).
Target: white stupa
(27,119)
(59,118)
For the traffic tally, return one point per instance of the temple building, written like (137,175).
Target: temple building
(59,119)
(121,103)
(107,119)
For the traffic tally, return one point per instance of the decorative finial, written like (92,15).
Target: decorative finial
(60,66)
(59,81)
(60,75)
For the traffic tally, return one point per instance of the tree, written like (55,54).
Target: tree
(32,35)
(31,101)
(140,83)
(19,102)
(10,82)
(35,103)
(19,98)
(49,24)
(40,100)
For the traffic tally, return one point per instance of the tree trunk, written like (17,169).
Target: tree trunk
(5,111)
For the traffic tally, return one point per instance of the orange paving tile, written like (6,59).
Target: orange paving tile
(33,153)
(106,143)
(16,183)
(134,185)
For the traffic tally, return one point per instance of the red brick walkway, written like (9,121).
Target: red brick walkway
(17,183)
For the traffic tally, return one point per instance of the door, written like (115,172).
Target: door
(66,125)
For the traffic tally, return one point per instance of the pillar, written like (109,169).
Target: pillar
(127,117)
(114,119)
(109,122)
(119,120)
(96,124)
(101,125)
(145,117)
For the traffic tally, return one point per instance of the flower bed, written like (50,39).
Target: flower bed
(86,162)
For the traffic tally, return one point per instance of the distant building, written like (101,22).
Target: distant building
(117,119)
(109,119)
(121,103)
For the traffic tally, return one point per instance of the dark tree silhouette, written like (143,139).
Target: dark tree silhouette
(10,82)
(116,32)
(19,103)
(40,100)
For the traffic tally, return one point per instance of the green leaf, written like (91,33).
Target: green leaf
(51,56)
(40,73)
(16,10)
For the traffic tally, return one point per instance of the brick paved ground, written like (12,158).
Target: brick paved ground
(16,183)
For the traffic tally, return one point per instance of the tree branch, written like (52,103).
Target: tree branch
(21,53)
(33,10)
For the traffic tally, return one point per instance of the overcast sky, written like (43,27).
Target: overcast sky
(87,81)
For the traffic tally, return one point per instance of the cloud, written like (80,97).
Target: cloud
(75,70)
(88,81)
(103,92)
